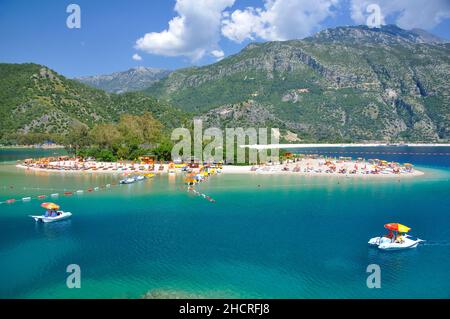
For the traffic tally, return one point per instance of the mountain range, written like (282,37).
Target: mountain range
(134,79)
(342,84)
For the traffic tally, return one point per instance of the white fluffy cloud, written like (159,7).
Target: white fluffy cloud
(278,20)
(199,24)
(193,33)
(136,57)
(218,54)
(408,14)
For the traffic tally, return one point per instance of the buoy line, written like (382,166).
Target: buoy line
(196,192)
(64,192)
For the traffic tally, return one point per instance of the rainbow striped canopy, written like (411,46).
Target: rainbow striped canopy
(397,227)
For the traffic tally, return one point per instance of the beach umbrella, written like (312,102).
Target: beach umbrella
(52,206)
(397,227)
(190,181)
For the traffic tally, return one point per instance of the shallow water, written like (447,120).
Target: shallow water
(266,236)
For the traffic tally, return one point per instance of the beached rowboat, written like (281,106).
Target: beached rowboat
(129,180)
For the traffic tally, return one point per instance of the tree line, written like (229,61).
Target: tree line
(128,139)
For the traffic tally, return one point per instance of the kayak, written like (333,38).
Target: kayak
(62,216)
(385,243)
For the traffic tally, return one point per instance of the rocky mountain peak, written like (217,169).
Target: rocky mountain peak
(387,34)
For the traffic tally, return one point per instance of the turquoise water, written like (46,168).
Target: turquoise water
(265,237)
(14,154)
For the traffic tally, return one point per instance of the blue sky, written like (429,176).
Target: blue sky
(201,31)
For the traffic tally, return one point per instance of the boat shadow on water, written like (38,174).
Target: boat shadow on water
(53,230)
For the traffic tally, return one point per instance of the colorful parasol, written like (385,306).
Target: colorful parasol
(51,206)
(397,227)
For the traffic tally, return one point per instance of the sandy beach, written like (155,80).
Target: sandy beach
(95,167)
(317,169)
(301,167)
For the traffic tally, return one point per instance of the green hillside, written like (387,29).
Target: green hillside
(35,99)
(349,83)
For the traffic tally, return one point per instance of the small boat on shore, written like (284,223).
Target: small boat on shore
(53,214)
(133,179)
(129,180)
(396,239)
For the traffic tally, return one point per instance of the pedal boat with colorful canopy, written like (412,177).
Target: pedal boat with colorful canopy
(53,214)
(396,239)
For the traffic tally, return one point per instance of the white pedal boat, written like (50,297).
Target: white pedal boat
(128,181)
(397,239)
(385,243)
(61,216)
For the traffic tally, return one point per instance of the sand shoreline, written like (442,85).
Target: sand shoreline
(247,170)
(304,167)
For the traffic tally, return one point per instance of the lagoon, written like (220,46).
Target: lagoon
(264,237)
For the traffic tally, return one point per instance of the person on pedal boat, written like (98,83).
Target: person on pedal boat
(399,238)
(390,235)
(51,213)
